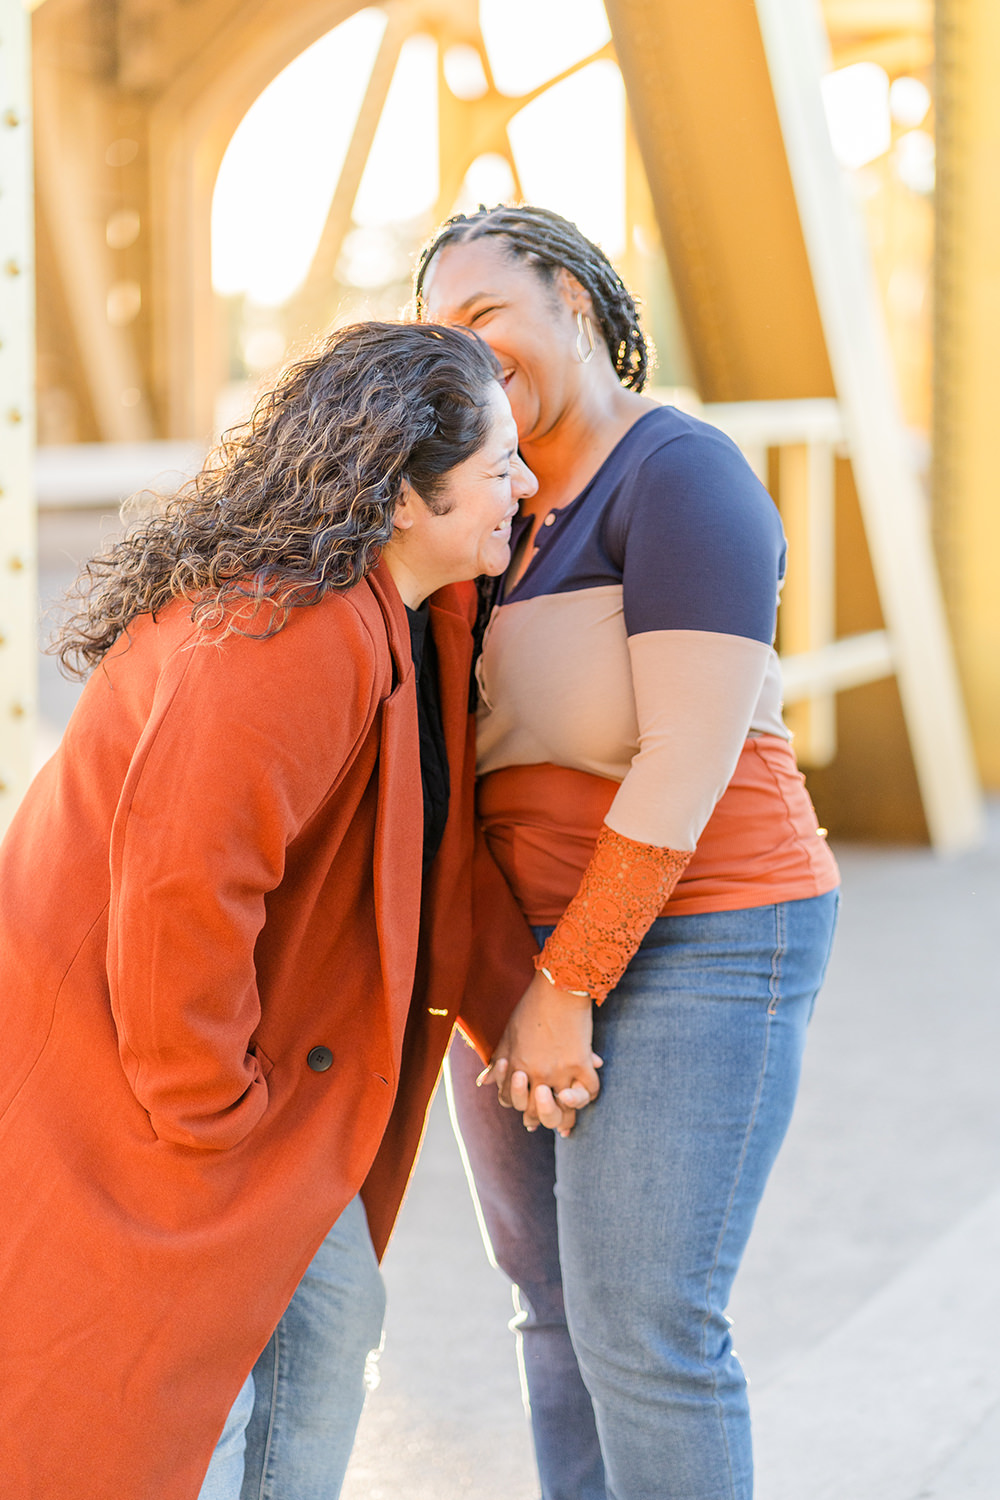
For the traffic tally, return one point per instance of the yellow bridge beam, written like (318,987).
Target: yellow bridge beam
(18,676)
(967,359)
(771,276)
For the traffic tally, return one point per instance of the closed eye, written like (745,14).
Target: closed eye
(483,312)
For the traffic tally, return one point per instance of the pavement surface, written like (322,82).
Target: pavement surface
(867,1310)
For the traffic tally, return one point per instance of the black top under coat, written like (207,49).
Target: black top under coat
(433,760)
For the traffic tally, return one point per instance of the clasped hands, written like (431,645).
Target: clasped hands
(544,1065)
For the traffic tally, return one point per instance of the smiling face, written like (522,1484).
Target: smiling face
(528,321)
(467,531)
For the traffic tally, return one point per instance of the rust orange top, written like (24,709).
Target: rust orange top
(760,845)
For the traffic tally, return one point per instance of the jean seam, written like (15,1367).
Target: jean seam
(264,1489)
(773,992)
(780,943)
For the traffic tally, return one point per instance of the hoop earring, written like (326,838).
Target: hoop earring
(585,346)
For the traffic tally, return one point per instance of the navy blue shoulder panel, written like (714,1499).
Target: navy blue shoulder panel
(677,516)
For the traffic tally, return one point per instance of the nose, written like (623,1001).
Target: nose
(523,483)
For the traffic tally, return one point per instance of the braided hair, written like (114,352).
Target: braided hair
(550,242)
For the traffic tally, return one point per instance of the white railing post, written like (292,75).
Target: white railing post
(806,436)
(807,618)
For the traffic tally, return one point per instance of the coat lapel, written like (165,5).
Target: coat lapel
(445,927)
(399,816)
(453,639)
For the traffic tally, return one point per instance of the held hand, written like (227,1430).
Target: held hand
(556,1112)
(544,1066)
(542,1107)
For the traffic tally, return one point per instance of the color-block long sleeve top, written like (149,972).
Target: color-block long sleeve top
(629,689)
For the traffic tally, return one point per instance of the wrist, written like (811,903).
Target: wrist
(579,994)
(547,986)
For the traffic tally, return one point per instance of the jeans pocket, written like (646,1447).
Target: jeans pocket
(804,934)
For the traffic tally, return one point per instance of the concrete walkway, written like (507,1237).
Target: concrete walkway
(868,1309)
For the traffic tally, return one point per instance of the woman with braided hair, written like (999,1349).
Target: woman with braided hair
(236,885)
(638,789)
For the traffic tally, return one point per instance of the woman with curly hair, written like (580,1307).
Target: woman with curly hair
(213,933)
(639,790)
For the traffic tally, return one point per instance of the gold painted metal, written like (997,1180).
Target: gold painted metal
(877,16)
(710,140)
(967,368)
(911,53)
(190,127)
(18,671)
(310,308)
(136,106)
(71,177)
(706,117)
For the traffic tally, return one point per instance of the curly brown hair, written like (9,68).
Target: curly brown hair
(301,499)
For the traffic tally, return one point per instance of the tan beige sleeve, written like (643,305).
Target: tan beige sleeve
(695,694)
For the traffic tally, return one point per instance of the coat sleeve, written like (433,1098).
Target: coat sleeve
(245,741)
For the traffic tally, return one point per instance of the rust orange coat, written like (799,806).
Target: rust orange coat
(216,873)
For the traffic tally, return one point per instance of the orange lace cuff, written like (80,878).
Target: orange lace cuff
(624,888)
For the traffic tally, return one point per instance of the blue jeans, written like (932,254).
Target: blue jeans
(623,1240)
(290,1431)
